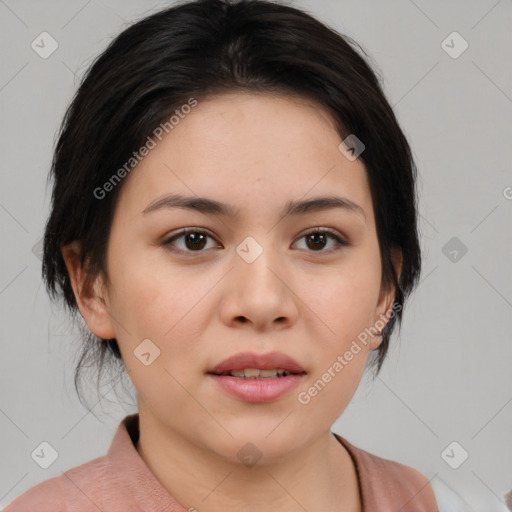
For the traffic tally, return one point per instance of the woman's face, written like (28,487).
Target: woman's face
(257,281)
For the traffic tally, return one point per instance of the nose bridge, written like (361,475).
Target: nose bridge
(257,260)
(257,290)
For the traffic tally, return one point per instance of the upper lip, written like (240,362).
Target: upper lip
(269,361)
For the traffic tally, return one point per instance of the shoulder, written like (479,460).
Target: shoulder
(400,482)
(385,481)
(45,496)
(392,470)
(74,488)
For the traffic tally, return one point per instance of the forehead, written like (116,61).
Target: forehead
(249,149)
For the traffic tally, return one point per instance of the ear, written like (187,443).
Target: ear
(89,293)
(386,299)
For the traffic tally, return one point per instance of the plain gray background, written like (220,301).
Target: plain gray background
(448,375)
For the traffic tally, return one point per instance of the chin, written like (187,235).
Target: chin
(252,445)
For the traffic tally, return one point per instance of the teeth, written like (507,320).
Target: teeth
(237,373)
(266,373)
(255,373)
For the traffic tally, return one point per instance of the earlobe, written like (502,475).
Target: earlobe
(379,324)
(397,258)
(386,300)
(376,341)
(89,293)
(384,306)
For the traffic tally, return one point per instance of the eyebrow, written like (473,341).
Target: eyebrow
(212,207)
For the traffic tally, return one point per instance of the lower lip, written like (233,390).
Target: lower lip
(258,390)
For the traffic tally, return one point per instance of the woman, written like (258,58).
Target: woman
(234,217)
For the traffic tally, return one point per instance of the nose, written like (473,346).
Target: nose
(259,291)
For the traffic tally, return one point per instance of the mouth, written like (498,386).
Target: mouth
(257,377)
(258,373)
(252,365)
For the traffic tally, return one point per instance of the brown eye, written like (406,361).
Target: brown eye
(317,240)
(194,240)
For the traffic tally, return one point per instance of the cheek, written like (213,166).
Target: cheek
(347,307)
(163,303)
(346,299)
(150,294)
(160,304)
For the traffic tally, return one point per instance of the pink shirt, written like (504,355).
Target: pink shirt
(120,481)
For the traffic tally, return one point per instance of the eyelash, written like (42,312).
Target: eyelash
(339,241)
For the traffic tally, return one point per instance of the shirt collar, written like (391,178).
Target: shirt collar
(134,478)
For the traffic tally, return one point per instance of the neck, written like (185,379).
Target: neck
(320,476)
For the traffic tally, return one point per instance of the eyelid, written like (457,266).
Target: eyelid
(320,229)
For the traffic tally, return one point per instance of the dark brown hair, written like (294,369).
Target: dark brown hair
(199,49)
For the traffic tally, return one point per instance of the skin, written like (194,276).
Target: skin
(255,152)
